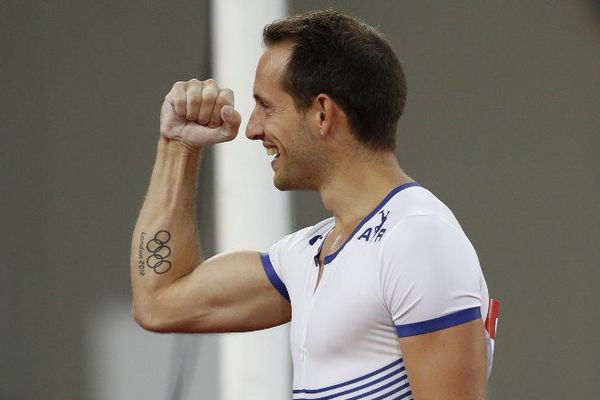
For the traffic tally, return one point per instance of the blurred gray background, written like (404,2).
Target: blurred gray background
(502,123)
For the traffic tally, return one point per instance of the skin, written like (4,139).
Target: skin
(302,162)
(230,292)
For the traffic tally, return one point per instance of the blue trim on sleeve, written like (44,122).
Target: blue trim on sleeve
(436,324)
(329,258)
(273,277)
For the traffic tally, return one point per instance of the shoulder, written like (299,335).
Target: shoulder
(425,238)
(416,229)
(428,269)
(306,236)
(418,201)
(429,238)
(425,255)
(417,212)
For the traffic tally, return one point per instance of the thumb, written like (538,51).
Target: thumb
(231,121)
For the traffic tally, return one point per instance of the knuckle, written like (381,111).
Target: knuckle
(193,84)
(195,100)
(226,95)
(220,102)
(223,97)
(180,103)
(226,92)
(216,113)
(204,118)
(209,95)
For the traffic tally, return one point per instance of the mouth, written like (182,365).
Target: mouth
(273,153)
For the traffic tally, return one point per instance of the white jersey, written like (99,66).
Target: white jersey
(407,269)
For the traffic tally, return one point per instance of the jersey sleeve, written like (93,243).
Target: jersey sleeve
(430,276)
(272,261)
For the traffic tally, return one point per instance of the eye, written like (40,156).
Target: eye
(267,109)
(264,106)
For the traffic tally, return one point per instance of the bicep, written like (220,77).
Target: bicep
(226,293)
(447,364)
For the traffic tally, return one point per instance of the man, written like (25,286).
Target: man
(386,298)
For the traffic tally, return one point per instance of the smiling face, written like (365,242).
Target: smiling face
(291,137)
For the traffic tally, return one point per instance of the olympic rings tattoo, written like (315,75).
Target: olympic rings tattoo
(160,251)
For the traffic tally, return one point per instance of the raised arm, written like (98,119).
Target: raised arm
(174,290)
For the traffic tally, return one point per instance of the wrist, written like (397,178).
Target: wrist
(175,173)
(174,157)
(178,147)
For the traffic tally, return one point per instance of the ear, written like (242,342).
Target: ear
(326,113)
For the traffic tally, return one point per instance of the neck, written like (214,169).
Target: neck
(357,186)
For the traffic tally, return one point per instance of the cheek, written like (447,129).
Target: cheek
(282,132)
(273,127)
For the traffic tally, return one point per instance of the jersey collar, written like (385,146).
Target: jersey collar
(330,257)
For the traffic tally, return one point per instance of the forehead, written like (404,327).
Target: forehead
(270,67)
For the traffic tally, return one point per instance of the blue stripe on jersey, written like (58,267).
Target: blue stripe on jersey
(329,258)
(387,385)
(273,277)
(432,325)
(360,378)
(397,374)
(394,391)
(366,385)
(404,395)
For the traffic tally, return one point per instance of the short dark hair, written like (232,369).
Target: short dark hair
(348,60)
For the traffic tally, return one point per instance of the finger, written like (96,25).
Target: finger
(177,98)
(209,95)
(224,98)
(231,122)
(193,93)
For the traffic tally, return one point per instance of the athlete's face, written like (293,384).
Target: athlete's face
(288,136)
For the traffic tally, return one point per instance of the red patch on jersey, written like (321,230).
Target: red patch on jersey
(491,321)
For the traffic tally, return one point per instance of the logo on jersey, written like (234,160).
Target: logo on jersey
(376,233)
(313,240)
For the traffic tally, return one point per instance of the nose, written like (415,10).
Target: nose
(254,128)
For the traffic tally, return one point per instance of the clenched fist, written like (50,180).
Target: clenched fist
(199,114)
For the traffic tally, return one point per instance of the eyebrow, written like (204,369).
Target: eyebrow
(260,99)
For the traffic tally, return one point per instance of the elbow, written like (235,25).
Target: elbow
(149,319)
(142,320)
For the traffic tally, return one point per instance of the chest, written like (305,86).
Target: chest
(336,306)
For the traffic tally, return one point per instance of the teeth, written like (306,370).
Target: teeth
(271,151)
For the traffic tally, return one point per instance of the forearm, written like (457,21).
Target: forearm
(165,244)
